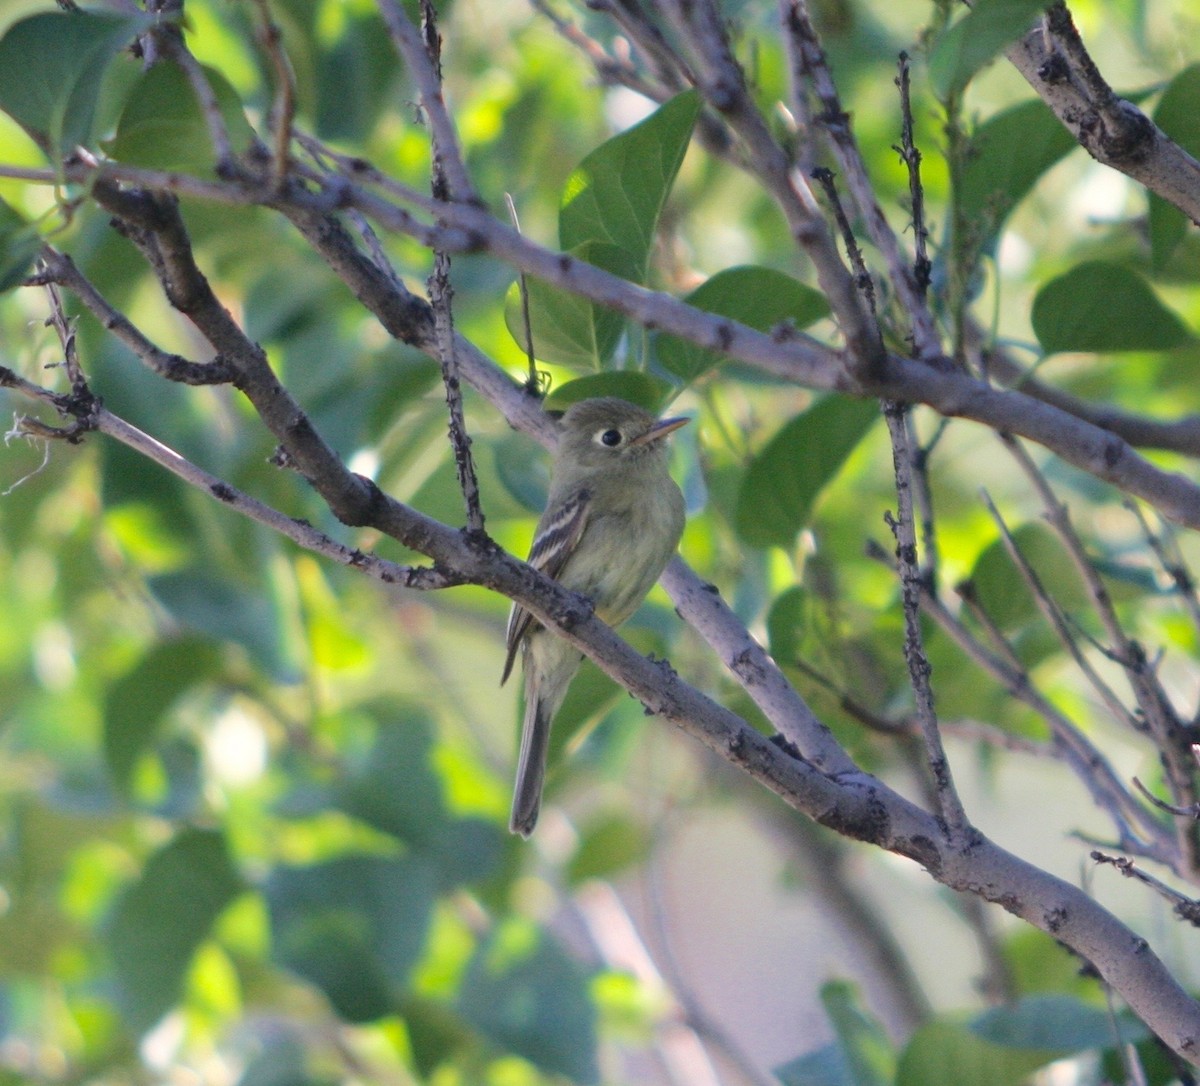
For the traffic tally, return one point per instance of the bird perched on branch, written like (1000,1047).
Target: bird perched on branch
(613,520)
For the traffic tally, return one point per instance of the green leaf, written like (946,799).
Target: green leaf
(1104,307)
(525,994)
(758,297)
(19,244)
(783,481)
(1000,588)
(51,67)
(975,39)
(609,212)
(224,610)
(1158,1065)
(162,126)
(826,1066)
(1004,1045)
(135,705)
(161,919)
(591,693)
(569,330)
(523,468)
(1008,154)
(1178,117)
(943,1051)
(632,385)
(869,1054)
(354,927)
(1039,965)
(786,622)
(398,792)
(606,848)
(1055,1022)
(436,1034)
(617,192)
(354,78)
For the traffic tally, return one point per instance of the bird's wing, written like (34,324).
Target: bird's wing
(554,543)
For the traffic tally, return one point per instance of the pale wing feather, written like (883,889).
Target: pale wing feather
(554,543)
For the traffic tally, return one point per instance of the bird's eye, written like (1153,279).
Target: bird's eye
(611,438)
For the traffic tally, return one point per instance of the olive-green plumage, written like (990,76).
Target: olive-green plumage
(613,520)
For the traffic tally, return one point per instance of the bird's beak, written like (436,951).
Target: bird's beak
(659,430)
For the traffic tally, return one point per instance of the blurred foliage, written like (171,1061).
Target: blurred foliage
(252,804)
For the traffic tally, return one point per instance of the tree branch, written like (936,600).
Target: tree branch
(1113,131)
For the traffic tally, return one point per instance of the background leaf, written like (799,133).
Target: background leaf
(161,919)
(1000,588)
(1008,154)
(1177,116)
(51,66)
(758,297)
(162,126)
(632,385)
(975,39)
(783,481)
(868,1052)
(224,610)
(569,330)
(942,1051)
(354,926)
(1055,1022)
(617,192)
(527,996)
(1104,307)
(135,705)
(19,244)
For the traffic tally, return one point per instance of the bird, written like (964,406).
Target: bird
(612,522)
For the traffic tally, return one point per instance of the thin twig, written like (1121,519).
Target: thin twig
(1057,516)
(1053,614)
(612,70)
(862,278)
(668,66)
(1165,548)
(923,498)
(810,62)
(850,705)
(1192,810)
(1186,908)
(533,384)
(1160,718)
(966,591)
(911,157)
(1087,761)
(441,294)
(61,269)
(298,531)
(283,108)
(414,49)
(919,669)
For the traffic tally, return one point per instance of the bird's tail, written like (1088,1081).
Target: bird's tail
(531,765)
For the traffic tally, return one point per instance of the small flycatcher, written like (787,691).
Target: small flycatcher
(613,520)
